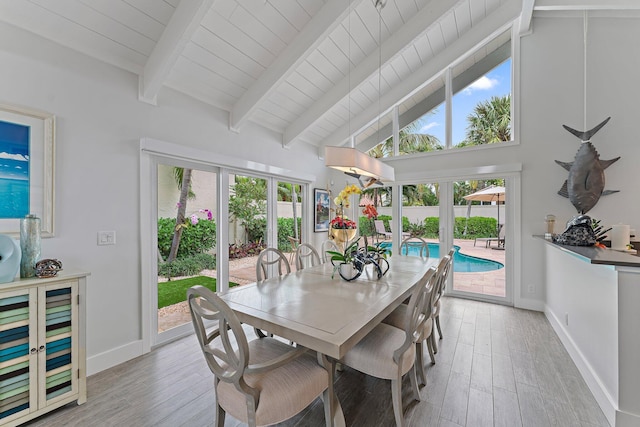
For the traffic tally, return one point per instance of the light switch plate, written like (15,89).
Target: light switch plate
(106,238)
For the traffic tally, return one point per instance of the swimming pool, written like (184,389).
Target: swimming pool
(461,263)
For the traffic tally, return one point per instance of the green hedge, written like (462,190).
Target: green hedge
(187,266)
(285,229)
(195,239)
(430,227)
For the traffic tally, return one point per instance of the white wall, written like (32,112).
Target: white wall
(99,126)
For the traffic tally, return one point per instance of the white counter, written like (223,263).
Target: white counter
(594,307)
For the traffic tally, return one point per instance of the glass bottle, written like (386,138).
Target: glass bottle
(29,244)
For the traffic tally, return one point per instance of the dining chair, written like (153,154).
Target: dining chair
(447,266)
(306,256)
(328,245)
(268,260)
(259,382)
(415,242)
(388,352)
(398,318)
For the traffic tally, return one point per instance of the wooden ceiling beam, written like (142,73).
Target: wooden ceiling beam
(183,23)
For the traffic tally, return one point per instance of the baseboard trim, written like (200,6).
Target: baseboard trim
(111,358)
(529,304)
(608,405)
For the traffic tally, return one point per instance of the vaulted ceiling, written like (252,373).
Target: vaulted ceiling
(308,69)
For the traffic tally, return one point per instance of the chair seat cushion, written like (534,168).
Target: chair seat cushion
(284,391)
(373,355)
(398,318)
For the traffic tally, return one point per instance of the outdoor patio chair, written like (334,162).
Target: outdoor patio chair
(487,240)
(294,246)
(382,231)
(259,382)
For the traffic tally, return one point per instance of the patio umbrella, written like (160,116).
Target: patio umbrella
(489,194)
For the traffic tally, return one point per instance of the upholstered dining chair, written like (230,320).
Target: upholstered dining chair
(415,242)
(389,353)
(306,256)
(447,266)
(328,245)
(398,318)
(269,259)
(259,382)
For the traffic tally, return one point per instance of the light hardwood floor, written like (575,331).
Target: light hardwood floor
(496,366)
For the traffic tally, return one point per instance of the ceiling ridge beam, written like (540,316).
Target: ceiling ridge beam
(477,36)
(183,23)
(557,5)
(315,32)
(393,46)
(526,16)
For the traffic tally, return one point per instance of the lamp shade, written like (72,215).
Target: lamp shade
(352,161)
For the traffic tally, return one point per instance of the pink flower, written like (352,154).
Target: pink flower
(194,219)
(208,212)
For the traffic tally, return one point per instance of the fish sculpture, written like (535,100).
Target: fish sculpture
(585,184)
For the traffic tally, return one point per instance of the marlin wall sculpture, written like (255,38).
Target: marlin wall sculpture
(585,184)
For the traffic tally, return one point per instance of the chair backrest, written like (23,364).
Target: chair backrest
(226,362)
(415,242)
(268,260)
(418,312)
(442,273)
(328,245)
(379,224)
(306,256)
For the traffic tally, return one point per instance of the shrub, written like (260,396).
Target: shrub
(285,229)
(187,266)
(432,227)
(195,239)
(245,249)
(477,226)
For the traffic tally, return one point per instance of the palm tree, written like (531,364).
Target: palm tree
(490,122)
(183,179)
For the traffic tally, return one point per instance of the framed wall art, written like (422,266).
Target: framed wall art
(321,205)
(27,142)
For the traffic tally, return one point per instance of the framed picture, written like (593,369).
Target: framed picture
(321,205)
(27,140)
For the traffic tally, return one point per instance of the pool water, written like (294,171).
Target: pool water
(461,263)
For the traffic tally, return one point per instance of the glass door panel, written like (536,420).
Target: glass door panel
(186,242)
(290,203)
(478,237)
(247,226)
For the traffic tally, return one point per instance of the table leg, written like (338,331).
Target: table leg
(332,411)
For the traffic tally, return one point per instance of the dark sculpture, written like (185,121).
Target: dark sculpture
(585,184)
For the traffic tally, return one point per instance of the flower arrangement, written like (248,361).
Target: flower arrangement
(342,201)
(342,222)
(370,212)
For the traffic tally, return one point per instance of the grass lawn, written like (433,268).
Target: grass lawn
(175,291)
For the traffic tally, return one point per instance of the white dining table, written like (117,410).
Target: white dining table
(324,313)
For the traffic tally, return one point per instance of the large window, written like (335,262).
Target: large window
(481,102)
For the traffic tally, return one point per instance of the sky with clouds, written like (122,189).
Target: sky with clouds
(496,82)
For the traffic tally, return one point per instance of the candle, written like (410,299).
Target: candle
(620,236)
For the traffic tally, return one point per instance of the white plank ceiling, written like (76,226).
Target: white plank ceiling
(308,69)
